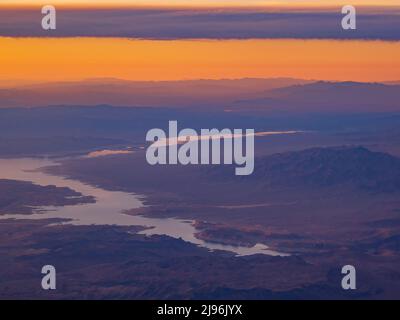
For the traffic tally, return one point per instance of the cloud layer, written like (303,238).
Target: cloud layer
(383,24)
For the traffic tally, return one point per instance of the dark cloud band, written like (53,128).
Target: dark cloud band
(383,24)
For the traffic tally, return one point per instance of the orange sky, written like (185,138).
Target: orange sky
(203,2)
(55,59)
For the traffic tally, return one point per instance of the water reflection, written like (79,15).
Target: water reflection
(108,209)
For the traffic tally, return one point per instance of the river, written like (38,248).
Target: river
(108,209)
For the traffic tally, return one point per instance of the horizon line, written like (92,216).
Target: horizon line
(195,6)
(2,81)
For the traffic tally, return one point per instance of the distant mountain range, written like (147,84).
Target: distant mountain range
(392,82)
(330,96)
(140,93)
(283,94)
(354,167)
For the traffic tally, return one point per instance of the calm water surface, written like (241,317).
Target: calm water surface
(108,209)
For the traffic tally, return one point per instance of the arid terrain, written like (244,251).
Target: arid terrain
(324,197)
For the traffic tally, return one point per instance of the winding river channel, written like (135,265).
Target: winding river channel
(108,209)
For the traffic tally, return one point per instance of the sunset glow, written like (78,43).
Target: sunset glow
(38,59)
(200,2)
